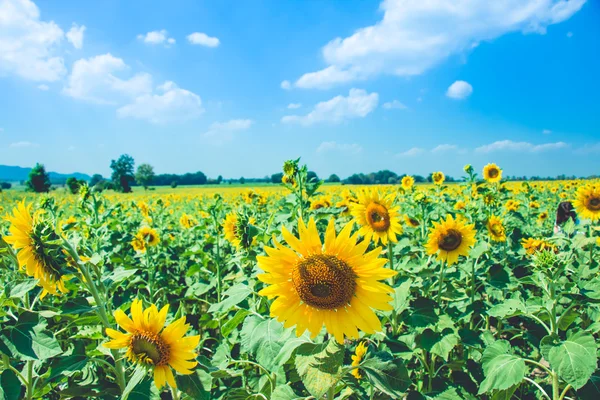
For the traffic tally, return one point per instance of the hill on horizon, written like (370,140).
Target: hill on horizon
(9,173)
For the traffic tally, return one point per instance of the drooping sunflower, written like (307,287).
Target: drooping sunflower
(412,222)
(334,283)
(357,357)
(438,178)
(239,230)
(496,229)
(451,238)
(408,182)
(148,235)
(377,217)
(38,255)
(587,202)
(321,202)
(147,343)
(492,173)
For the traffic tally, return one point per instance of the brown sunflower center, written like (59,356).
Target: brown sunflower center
(149,348)
(451,240)
(594,203)
(324,281)
(413,222)
(496,229)
(378,217)
(493,173)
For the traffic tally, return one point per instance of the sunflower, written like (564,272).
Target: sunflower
(186,221)
(408,182)
(512,205)
(359,354)
(496,229)
(33,241)
(543,216)
(148,344)
(492,173)
(148,235)
(377,217)
(438,177)
(451,238)
(460,205)
(322,202)
(335,283)
(587,202)
(412,222)
(533,246)
(239,230)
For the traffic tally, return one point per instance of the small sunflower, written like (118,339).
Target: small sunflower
(408,182)
(587,202)
(492,173)
(412,222)
(239,230)
(533,246)
(512,205)
(438,178)
(148,344)
(460,205)
(322,202)
(359,354)
(148,235)
(451,238)
(186,221)
(377,217)
(334,283)
(496,229)
(543,216)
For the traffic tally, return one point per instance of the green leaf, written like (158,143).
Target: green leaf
(502,369)
(387,373)
(233,296)
(574,359)
(143,390)
(265,339)
(67,365)
(508,308)
(283,392)
(423,313)
(288,348)
(31,340)
(10,386)
(232,323)
(19,290)
(319,366)
(401,298)
(138,375)
(193,385)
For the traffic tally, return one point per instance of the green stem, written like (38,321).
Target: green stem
(555,386)
(29,393)
(541,389)
(331,393)
(565,391)
(442,272)
(174,393)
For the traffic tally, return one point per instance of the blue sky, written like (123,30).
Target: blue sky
(235,88)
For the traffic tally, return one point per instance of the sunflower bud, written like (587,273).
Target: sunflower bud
(545,259)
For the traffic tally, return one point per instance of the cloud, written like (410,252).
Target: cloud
(222,132)
(509,145)
(414,36)
(93,79)
(171,104)
(459,90)
(339,147)
(156,37)
(23,145)
(443,148)
(286,85)
(589,149)
(293,106)
(203,39)
(75,35)
(394,105)
(358,104)
(28,45)
(546,131)
(43,87)
(415,151)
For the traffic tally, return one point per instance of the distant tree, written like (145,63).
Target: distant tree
(95,179)
(242,180)
(276,178)
(219,179)
(144,175)
(39,180)
(419,179)
(5,185)
(392,180)
(333,178)
(312,176)
(73,184)
(174,184)
(122,174)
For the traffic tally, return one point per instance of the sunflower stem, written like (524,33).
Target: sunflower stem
(331,392)
(441,284)
(174,393)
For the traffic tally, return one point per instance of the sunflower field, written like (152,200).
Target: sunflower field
(303,291)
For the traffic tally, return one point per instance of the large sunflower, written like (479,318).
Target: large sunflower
(451,238)
(377,217)
(333,283)
(587,202)
(496,229)
(147,343)
(492,173)
(42,260)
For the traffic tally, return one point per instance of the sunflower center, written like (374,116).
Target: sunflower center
(496,229)
(324,281)
(451,240)
(493,173)
(594,203)
(149,348)
(378,217)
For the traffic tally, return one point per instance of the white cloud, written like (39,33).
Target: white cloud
(546,131)
(293,106)
(443,148)
(93,79)
(286,85)
(414,36)
(358,104)
(203,39)
(23,144)
(339,147)
(28,45)
(156,37)
(459,90)
(171,104)
(415,151)
(222,132)
(509,145)
(394,105)
(43,87)
(589,149)
(75,35)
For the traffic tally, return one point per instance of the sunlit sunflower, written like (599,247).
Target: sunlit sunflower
(412,222)
(438,178)
(587,202)
(492,173)
(148,235)
(377,216)
(322,202)
(533,246)
(408,182)
(334,283)
(496,229)
(37,252)
(357,357)
(460,205)
(239,230)
(512,205)
(186,221)
(451,238)
(534,204)
(543,216)
(148,344)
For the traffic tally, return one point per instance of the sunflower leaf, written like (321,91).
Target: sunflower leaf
(502,369)
(574,359)
(319,366)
